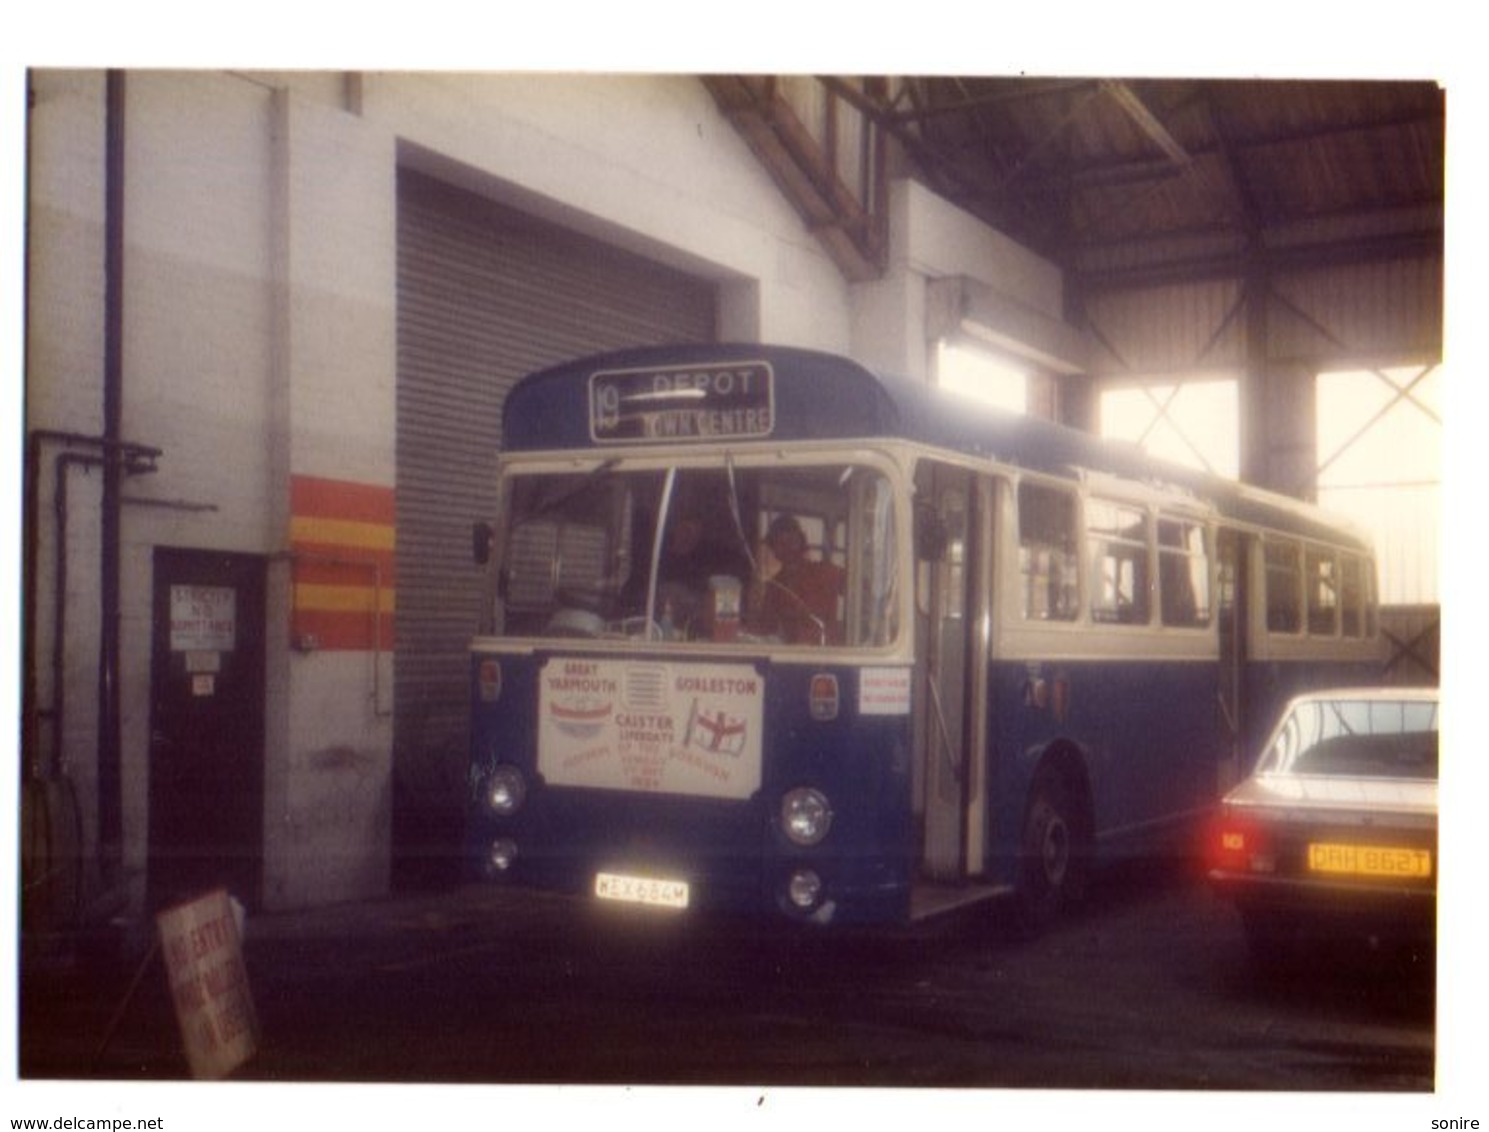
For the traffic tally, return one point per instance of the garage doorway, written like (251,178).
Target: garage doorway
(486,294)
(206,725)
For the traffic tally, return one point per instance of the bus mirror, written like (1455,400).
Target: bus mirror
(931,536)
(481,537)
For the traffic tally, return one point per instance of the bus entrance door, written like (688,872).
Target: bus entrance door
(1230,695)
(952,648)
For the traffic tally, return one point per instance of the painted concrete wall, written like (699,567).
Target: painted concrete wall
(259,342)
(644,162)
(931,239)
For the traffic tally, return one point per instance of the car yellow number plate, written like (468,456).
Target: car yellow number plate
(1368,860)
(656,891)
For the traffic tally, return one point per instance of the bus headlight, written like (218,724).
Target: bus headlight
(506,789)
(804,890)
(501,856)
(805,816)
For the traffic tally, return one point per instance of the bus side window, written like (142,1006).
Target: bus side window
(1284,587)
(1119,562)
(1372,600)
(1323,593)
(1183,574)
(1048,563)
(1352,595)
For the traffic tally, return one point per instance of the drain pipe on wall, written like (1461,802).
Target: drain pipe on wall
(54,890)
(45,759)
(110,770)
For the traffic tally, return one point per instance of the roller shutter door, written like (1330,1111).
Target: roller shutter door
(485,295)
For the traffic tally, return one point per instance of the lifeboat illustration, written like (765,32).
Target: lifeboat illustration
(581,719)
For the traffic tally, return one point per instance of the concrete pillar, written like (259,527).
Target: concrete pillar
(328,774)
(1278,410)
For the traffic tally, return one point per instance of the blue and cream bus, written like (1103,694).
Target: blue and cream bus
(771,633)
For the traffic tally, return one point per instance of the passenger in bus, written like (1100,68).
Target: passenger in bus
(791,595)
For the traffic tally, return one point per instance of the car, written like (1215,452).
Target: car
(1334,832)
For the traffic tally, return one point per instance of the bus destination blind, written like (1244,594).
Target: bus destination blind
(682,404)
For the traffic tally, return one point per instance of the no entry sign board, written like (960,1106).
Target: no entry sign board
(202,944)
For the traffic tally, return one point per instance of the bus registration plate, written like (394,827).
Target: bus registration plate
(1368,860)
(656,891)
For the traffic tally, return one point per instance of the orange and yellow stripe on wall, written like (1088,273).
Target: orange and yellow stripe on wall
(342,539)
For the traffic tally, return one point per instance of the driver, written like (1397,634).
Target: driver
(791,595)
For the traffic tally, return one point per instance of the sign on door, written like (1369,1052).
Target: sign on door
(203,618)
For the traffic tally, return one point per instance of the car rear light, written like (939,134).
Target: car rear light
(1239,844)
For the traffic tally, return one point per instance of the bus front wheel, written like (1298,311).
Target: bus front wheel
(1052,863)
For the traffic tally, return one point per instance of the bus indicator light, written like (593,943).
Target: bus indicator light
(823,697)
(491,681)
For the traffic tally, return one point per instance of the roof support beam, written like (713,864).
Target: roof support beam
(1136,109)
(850,225)
(1290,257)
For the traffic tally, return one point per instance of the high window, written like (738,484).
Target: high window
(982,374)
(1193,423)
(1379,463)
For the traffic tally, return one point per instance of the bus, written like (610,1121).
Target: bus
(770,633)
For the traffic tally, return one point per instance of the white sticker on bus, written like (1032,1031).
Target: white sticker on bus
(884,691)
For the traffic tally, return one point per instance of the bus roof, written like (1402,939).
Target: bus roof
(817,396)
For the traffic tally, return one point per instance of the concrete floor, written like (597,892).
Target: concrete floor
(1147,987)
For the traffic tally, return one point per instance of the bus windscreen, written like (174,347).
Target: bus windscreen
(799,555)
